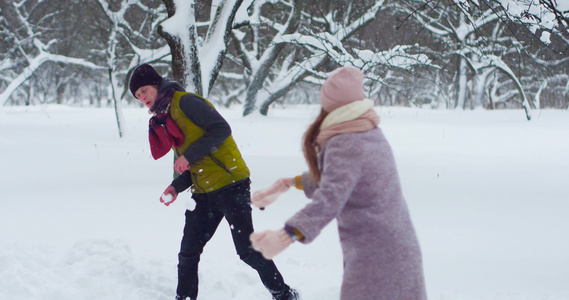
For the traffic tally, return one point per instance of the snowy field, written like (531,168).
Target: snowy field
(80,217)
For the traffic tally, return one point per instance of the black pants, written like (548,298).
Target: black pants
(233,203)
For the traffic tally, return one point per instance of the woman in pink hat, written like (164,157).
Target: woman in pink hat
(352,178)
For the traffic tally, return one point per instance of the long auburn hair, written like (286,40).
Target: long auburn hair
(310,148)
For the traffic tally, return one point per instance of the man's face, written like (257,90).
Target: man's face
(147,95)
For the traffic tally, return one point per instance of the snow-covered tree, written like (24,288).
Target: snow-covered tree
(471,34)
(30,49)
(286,42)
(119,35)
(277,45)
(198,34)
(542,17)
(122,30)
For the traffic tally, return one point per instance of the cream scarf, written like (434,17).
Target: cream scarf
(357,116)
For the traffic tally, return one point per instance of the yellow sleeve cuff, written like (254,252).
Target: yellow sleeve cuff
(298,182)
(298,234)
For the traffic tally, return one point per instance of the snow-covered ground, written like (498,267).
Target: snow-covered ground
(80,216)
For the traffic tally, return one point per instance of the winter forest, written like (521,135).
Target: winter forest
(447,54)
(473,96)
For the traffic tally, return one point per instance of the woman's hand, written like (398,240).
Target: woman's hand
(169,195)
(270,242)
(266,197)
(181,165)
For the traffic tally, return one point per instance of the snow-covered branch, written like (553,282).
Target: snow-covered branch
(542,17)
(196,59)
(34,63)
(30,46)
(304,50)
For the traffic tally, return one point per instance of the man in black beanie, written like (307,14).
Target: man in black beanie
(144,75)
(208,162)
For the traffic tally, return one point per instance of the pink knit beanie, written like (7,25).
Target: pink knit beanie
(343,86)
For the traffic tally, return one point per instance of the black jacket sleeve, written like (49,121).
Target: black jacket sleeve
(182,182)
(216,129)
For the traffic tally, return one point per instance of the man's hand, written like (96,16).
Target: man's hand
(181,165)
(169,196)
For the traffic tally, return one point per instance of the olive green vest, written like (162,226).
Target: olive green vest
(222,167)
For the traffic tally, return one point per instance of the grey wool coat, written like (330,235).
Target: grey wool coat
(360,188)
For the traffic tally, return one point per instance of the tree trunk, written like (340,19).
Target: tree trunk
(185,65)
(462,83)
(260,75)
(115,100)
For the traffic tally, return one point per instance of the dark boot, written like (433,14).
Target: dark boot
(188,275)
(287,294)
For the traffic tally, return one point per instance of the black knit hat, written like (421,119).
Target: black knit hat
(144,75)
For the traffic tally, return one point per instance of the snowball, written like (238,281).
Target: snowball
(166,198)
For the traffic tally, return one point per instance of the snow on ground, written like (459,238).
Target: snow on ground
(80,215)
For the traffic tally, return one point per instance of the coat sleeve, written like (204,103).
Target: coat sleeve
(339,177)
(309,185)
(182,182)
(216,129)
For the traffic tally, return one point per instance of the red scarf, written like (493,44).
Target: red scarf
(163,135)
